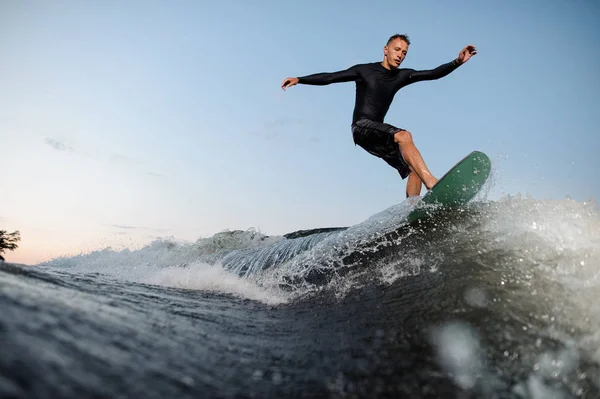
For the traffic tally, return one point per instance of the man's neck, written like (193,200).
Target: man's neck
(385,65)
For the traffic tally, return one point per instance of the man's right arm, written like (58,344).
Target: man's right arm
(322,79)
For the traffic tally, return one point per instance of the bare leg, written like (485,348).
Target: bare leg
(413,158)
(413,185)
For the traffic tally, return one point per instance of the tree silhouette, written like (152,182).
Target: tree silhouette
(8,241)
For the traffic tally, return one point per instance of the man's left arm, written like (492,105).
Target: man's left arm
(445,69)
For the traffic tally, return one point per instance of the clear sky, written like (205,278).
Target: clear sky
(125,121)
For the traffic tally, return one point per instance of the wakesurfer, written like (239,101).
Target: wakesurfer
(376,85)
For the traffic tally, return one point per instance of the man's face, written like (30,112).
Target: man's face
(395,52)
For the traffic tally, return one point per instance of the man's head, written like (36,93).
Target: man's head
(395,51)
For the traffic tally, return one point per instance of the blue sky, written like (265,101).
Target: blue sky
(125,121)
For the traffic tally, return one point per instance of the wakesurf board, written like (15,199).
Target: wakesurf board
(457,187)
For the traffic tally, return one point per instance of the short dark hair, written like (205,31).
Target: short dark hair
(398,36)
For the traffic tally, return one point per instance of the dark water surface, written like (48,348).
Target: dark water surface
(500,300)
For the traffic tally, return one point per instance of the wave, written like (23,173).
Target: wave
(512,284)
(554,240)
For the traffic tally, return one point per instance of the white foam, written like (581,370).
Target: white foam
(328,252)
(211,278)
(232,240)
(555,246)
(176,264)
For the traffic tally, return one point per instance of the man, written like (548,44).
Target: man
(376,85)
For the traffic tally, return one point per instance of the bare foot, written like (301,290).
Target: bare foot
(431,183)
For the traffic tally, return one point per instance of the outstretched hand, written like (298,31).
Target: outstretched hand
(466,53)
(289,82)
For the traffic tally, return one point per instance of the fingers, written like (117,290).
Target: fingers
(288,82)
(467,52)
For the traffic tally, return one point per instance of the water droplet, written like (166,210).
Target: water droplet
(277,379)
(187,380)
(257,375)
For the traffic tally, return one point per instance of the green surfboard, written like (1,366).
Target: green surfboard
(457,187)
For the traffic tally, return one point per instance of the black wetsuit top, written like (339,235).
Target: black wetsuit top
(376,85)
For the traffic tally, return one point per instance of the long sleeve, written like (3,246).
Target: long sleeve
(433,74)
(322,79)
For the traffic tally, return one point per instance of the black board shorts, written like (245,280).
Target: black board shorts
(377,138)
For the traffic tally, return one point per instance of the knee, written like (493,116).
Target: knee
(403,136)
